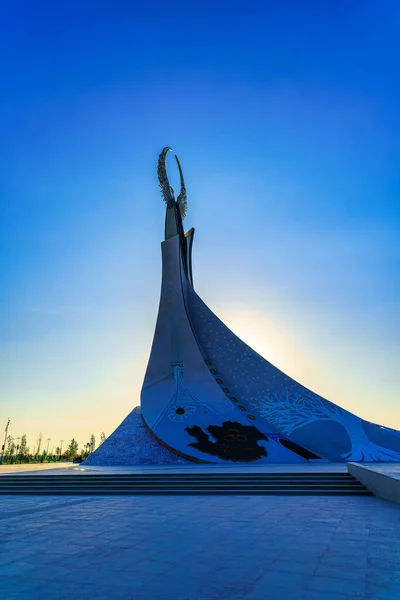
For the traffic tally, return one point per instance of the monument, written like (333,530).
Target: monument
(208,397)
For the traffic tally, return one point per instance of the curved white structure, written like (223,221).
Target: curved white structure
(210,397)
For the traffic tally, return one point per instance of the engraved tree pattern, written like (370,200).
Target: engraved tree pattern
(290,410)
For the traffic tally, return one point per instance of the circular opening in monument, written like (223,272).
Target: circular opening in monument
(180,411)
(218,380)
(226,390)
(213,371)
(233,399)
(241,407)
(208,362)
(251,417)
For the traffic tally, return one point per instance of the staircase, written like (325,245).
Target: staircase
(179,484)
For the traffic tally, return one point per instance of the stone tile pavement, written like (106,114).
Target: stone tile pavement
(199,548)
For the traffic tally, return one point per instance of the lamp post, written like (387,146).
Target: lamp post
(61,448)
(48,441)
(5,440)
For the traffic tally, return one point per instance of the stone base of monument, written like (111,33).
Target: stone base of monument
(132,444)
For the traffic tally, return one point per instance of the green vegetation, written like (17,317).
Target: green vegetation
(16,450)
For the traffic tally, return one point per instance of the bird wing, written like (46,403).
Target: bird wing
(166,190)
(182,198)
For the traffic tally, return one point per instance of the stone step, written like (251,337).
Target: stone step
(118,482)
(179,492)
(183,483)
(187,476)
(175,479)
(158,484)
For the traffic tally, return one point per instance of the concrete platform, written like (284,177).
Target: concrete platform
(320,467)
(324,467)
(383,479)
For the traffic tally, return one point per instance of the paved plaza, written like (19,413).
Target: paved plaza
(225,548)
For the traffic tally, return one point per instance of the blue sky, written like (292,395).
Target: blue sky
(286,121)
